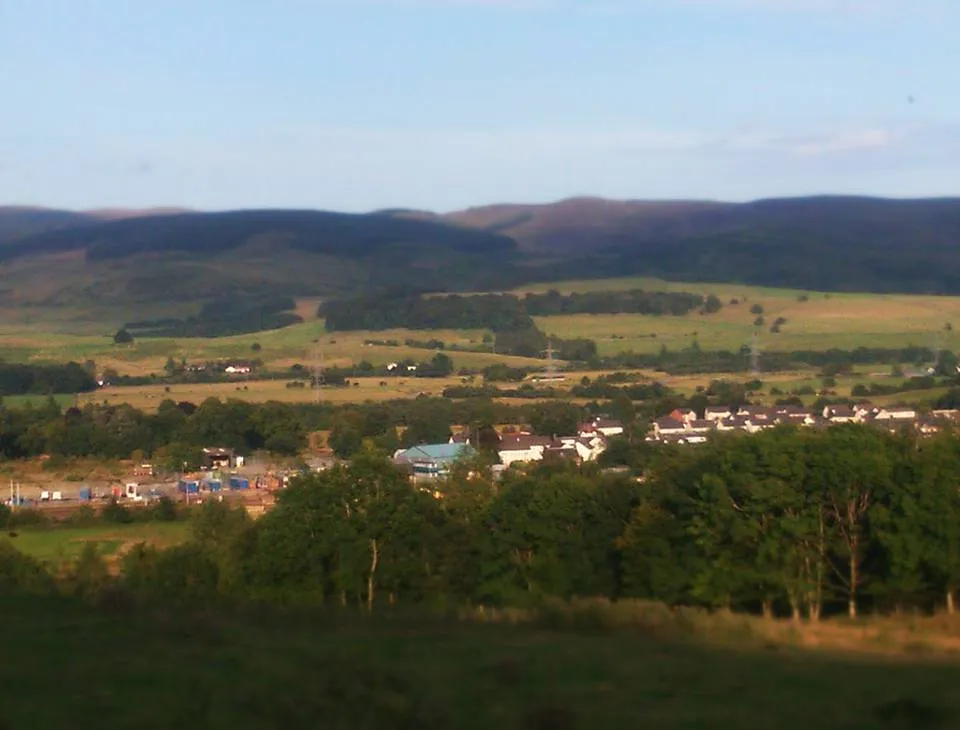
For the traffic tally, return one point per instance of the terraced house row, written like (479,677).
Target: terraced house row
(687,427)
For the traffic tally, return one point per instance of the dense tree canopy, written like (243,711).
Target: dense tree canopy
(788,522)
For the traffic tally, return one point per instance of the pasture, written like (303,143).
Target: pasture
(813,321)
(820,322)
(56,545)
(149,397)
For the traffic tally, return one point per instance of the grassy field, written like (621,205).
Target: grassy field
(814,321)
(369,389)
(148,397)
(819,323)
(66,665)
(55,545)
(302,343)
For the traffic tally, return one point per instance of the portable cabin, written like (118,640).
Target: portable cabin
(239,483)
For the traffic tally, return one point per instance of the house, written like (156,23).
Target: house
(606,426)
(522,447)
(716,413)
(668,426)
(841,414)
(758,415)
(946,414)
(217,458)
(586,449)
(432,461)
(737,423)
(894,413)
(684,415)
(701,426)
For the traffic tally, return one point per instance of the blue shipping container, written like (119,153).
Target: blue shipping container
(85,494)
(214,486)
(239,483)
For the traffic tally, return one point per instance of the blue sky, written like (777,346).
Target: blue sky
(442,104)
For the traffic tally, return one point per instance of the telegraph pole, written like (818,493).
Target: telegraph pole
(755,354)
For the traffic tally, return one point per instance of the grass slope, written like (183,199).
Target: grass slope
(69,666)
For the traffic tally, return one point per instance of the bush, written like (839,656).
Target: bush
(164,510)
(27,518)
(89,576)
(116,513)
(83,516)
(20,573)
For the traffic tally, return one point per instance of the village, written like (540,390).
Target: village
(684,426)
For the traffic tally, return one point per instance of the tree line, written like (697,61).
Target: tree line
(788,522)
(693,359)
(499,312)
(17,379)
(177,432)
(224,316)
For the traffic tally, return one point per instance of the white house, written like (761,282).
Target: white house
(522,447)
(716,413)
(894,413)
(606,426)
(587,448)
(668,427)
(840,414)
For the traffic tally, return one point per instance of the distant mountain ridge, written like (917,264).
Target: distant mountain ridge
(144,260)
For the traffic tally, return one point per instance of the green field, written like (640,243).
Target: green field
(66,665)
(58,544)
(820,322)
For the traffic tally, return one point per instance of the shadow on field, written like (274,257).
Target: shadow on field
(125,665)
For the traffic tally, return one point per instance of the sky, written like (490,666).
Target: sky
(359,105)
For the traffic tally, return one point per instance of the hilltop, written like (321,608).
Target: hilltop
(168,262)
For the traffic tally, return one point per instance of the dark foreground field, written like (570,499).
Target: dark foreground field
(67,666)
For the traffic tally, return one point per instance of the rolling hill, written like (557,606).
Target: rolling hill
(827,243)
(167,261)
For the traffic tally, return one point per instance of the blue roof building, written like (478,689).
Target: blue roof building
(430,461)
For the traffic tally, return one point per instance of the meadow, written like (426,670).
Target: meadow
(55,545)
(70,665)
(813,321)
(148,397)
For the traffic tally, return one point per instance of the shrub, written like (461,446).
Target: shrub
(20,573)
(116,513)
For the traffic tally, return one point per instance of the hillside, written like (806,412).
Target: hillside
(149,264)
(166,262)
(827,243)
